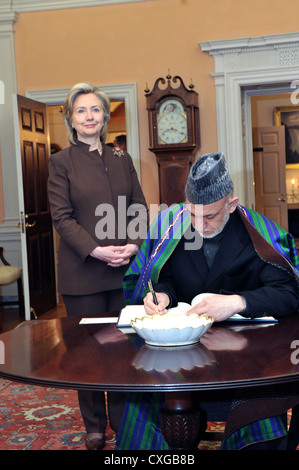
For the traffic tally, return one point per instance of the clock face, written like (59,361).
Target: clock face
(172,123)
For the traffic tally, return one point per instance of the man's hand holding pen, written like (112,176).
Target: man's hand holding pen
(151,308)
(156,302)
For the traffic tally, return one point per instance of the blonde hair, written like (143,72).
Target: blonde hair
(68,108)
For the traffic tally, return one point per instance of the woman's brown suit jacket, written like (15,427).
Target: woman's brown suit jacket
(81,185)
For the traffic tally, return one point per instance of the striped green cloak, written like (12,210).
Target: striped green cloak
(140,424)
(169,227)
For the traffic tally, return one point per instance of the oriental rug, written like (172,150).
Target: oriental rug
(43,418)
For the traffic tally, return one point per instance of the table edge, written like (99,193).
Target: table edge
(249,383)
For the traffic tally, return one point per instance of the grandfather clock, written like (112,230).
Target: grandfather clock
(173,115)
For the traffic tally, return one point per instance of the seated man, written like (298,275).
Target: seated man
(247,261)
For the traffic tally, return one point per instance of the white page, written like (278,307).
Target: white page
(129,313)
(92,321)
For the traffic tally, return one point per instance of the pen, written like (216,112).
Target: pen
(150,286)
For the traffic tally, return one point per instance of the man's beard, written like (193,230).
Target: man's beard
(219,230)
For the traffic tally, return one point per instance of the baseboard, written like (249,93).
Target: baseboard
(9,298)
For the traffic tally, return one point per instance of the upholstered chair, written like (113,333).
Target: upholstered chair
(8,275)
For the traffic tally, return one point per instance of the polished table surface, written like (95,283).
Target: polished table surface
(62,353)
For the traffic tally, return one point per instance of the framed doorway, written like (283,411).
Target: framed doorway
(245,66)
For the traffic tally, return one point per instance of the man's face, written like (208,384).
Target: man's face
(210,220)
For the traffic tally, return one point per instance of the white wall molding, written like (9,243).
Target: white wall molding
(240,64)
(7,137)
(249,44)
(22,6)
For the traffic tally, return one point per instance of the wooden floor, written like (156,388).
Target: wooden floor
(11,317)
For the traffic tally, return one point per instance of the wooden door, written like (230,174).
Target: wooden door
(270,174)
(37,222)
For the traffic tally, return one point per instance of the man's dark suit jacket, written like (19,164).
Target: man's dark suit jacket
(237,269)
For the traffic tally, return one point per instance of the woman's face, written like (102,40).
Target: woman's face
(88,117)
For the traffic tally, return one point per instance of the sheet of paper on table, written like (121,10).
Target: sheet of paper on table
(93,321)
(238,318)
(130,312)
(123,321)
(127,314)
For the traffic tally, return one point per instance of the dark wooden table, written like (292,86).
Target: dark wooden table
(62,353)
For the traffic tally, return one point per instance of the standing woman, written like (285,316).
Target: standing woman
(84,180)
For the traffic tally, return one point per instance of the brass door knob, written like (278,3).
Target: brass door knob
(27,225)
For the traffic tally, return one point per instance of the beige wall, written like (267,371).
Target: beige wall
(138,42)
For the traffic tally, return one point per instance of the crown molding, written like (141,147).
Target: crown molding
(22,6)
(8,18)
(250,44)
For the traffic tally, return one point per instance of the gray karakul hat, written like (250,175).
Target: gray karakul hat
(208,180)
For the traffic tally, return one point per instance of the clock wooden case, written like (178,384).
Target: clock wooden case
(173,115)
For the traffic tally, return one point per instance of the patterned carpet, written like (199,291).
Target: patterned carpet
(39,418)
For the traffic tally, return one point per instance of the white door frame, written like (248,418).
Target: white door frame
(240,65)
(21,202)
(247,94)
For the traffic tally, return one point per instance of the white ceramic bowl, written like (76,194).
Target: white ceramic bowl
(172,329)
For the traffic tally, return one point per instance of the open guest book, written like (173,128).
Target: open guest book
(130,312)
